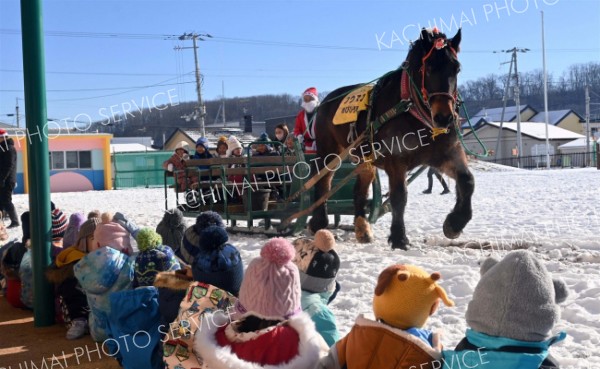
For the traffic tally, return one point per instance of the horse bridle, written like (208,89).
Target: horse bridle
(438,44)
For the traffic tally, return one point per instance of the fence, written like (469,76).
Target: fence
(574,160)
(139,169)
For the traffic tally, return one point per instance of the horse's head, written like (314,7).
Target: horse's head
(434,64)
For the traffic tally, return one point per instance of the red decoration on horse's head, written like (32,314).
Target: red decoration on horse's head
(439,43)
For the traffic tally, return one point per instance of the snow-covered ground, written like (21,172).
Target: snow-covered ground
(556,214)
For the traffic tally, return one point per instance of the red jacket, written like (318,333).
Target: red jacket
(179,165)
(292,344)
(300,129)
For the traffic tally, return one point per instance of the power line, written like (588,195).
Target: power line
(119,93)
(96,73)
(107,88)
(148,36)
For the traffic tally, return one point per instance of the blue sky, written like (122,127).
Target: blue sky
(262,47)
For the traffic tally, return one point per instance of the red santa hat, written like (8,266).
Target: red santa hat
(3,133)
(311,91)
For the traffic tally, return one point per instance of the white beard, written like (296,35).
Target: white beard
(310,106)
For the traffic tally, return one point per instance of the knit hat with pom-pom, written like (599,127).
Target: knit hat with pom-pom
(271,286)
(206,219)
(112,234)
(317,261)
(154,257)
(218,262)
(191,239)
(147,239)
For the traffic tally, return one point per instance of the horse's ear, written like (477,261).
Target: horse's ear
(455,41)
(426,36)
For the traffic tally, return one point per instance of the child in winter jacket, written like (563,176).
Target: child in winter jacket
(73,301)
(191,239)
(234,150)
(113,234)
(198,301)
(134,328)
(511,315)
(171,228)
(154,257)
(10,261)
(171,287)
(217,263)
(176,164)
(405,297)
(272,330)
(222,147)
(72,231)
(264,147)
(100,273)
(202,152)
(318,264)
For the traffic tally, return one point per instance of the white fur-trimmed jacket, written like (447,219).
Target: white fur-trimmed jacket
(214,356)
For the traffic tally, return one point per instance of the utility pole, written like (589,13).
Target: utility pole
(504,99)
(518,111)
(517,99)
(201,109)
(223,100)
(545,94)
(17,113)
(587,125)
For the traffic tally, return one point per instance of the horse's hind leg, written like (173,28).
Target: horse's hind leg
(458,169)
(398,199)
(362,228)
(319,219)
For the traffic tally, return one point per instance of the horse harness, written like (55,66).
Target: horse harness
(412,100)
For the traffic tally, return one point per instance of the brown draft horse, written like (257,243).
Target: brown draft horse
(410,139)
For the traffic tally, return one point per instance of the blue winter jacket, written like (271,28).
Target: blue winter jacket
(489,356)
(315,304)
(101,273)
(134,323)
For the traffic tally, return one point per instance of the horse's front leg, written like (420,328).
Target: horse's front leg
(458,169)
(398,198)
(362,228)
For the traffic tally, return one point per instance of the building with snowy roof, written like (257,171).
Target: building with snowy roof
(567,119)
(533,135)
(495,115)
(191,136)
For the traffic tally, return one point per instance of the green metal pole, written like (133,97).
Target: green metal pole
(38,168)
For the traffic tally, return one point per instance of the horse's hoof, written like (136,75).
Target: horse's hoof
(400,246)
(449,232)
(363,231)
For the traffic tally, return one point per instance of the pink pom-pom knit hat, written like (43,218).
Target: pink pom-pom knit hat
(271,285)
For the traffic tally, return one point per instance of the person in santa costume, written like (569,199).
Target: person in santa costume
(304,129)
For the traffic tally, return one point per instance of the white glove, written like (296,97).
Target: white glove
(300,139)
(170,167)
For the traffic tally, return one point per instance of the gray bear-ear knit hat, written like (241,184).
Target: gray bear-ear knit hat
(516,298)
